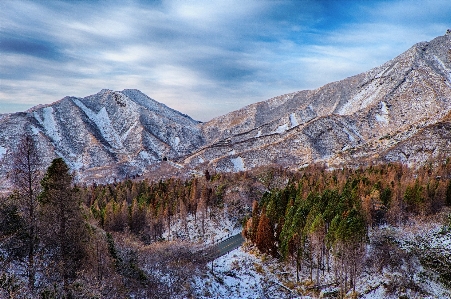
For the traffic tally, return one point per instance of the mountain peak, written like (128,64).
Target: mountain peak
(394,112)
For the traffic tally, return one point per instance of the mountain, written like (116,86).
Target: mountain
(372,116)
(399,111)
(103,136)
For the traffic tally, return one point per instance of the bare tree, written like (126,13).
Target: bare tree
(26,175)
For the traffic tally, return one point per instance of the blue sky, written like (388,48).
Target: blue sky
(203,58)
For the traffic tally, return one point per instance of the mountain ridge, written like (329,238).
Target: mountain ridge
(365,117)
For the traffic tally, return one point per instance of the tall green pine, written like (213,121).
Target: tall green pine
(63,228)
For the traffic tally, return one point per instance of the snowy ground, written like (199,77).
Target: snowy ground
(404,273)
(218,226)
(241,274)
(416,247)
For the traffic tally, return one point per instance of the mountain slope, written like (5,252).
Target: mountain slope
(103,136)
(341,122)
(385,114)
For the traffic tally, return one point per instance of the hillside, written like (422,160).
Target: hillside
(398,111)
(363,117)
(103,136)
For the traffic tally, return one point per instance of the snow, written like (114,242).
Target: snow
(217,227)
(232,152)
(362,99)
(159,108)
(103,123)
(76,165)
(176,165)
(234,276)
(444,67)
(2,152)
(48,123)
(201,160)
(145,156)
(293,120)
(259,133)
(176,141)
(34,130)
(351,138)
(417,238)
(238,164)
(282,129)
(124,137)
(246,273)
(383,116)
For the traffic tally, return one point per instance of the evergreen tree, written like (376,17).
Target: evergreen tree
(63,228)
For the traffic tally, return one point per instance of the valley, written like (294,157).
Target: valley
(343,191)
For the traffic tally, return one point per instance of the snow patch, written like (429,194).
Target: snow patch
(103,123)
(239,278)
(176,141)
(293,120)
(362,99)
(34,130)
(282,129)
(201,160)
(48,123)
(238,164)
(176,165)
(351,138)
(145,156)
(2,152)
(259,133)
(77,165)
(383,116)
(232,152)
(124,137)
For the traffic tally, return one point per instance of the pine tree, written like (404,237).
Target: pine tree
(63,228)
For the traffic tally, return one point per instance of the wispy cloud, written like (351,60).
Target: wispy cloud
(204,58)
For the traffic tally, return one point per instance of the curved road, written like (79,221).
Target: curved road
(230,244)
(224,247)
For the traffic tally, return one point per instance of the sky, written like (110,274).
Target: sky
(203,58)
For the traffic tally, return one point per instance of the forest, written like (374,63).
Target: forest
(320,221)
(60,239)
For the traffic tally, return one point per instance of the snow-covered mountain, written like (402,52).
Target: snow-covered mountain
(399,111)
(370,116)
(103,136)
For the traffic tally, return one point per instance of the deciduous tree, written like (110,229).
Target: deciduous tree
(26,175)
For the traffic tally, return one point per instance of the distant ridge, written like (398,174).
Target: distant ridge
(399,111)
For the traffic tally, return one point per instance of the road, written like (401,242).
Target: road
(223,247)
(230,244)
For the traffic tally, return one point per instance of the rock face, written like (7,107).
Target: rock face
(399,111)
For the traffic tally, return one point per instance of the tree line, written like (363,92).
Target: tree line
(74,241)
(320,219)
(67,240)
